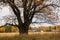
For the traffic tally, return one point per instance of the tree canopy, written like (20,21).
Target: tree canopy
(32,8)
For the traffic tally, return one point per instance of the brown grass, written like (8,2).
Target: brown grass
(30,33)
(31,36)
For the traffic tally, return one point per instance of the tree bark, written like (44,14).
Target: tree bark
(23,29)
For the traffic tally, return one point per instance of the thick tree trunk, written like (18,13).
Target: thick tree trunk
(23,29)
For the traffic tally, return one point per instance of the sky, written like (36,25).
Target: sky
(5,10)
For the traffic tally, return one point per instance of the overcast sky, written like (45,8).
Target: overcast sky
(5,10)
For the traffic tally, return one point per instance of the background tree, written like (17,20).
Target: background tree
(30,8)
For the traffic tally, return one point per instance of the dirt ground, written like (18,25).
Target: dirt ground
(30,33)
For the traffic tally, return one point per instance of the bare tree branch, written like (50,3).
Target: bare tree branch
(46,6)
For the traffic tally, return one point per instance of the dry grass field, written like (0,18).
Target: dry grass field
(31,36)
(42,33)
(8,34)
(30,33)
